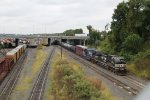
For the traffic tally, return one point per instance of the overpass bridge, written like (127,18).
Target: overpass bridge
(43,36)
(78,40)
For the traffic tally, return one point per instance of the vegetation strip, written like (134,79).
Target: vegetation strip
(69,83)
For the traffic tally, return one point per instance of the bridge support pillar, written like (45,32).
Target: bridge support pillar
(80,42)
(49,41)
(64,40)
(83,42)
(76,42)
(16,42)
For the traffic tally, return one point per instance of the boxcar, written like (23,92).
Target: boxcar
(6,64)
(2,61)
(24,47)
(12,55)
(80,50)
(19,50)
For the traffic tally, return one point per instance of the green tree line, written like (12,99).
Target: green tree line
(130,29)
(129,36)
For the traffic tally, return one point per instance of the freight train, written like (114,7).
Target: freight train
(7,62)
(113,63)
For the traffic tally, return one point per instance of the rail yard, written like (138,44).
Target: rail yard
(75,50)
(15,64)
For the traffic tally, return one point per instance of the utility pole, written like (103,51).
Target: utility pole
(61,47)
(96,42)
(38,39)
(45,29)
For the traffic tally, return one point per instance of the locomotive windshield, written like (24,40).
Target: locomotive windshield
(89,51)
(119,61)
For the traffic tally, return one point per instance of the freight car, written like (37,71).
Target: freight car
(7,62)
(79,50)
(110,62)
(5,65)
(72,48)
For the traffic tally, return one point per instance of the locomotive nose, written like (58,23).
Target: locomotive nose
(122,65)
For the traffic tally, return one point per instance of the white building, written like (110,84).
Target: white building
(81,34)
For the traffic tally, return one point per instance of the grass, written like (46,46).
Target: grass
(39,46)
(28,75)
(105,91)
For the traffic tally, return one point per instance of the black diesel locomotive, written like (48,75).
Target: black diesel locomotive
(113,63)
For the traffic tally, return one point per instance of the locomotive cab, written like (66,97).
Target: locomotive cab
(88,53)
(119,64)
(97,55)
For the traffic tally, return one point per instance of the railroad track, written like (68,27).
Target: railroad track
(135,82)
(39,86)
(7,89)
(131,90)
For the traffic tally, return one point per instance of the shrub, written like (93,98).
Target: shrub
(68,84)
(141,64)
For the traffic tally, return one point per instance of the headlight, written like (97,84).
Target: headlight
(96,56)
(122,65)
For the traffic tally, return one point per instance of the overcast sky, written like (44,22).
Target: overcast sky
(51,16)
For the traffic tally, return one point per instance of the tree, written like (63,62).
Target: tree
(133,43)
(146,21)
(134,16)
(89,27)
(129,18)
(118,25)
(72,32)
(78,31)
(95,36)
